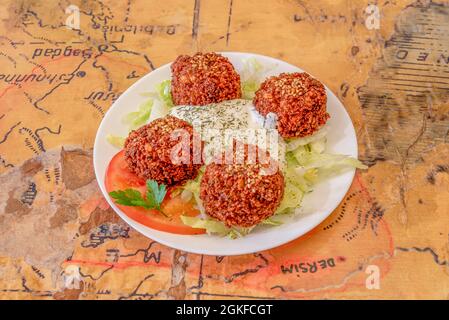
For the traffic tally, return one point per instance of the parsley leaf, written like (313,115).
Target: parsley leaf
(155,193)
(154,196)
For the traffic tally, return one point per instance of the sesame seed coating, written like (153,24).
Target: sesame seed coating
(148,152)
(238,194)
(299,101)
(204,78)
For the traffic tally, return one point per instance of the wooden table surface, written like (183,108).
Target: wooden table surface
(389,238)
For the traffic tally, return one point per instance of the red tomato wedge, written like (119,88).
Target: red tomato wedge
(119,177)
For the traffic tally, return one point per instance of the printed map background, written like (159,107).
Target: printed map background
(56,231)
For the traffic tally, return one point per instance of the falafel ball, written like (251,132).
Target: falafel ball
(203,79)
(240,194)
(299,101)
(148,152)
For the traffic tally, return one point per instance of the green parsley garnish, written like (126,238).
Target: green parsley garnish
(154,196)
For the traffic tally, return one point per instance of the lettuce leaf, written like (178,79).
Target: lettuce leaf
(116,141)
(239,232)
(308,164)
(320,135)
(216,227)
(159,110)
(296,175)
(251,76)
(312,159)
(157,106)
(138,118)
(212,226)
(293,195)
(162,100)
(163,90)
(193,186)
(272,222)
(318,146)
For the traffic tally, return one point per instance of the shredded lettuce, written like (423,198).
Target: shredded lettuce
(163,91)
(212,226)
(239,232)
(138,118)
(159,110)
(317,137)
(162,100)
(318,146)
(216,227)
(296,175)
(307,158)
(293,195)
(116,141)
(308,164)
(251,76)
(271,222)
(193,187)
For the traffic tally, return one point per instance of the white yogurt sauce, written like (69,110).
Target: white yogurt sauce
(220,123)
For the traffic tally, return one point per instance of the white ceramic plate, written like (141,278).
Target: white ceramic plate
(316,206)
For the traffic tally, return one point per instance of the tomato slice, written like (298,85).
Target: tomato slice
(119,177)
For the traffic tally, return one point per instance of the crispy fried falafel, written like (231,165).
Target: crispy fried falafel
(299,101)
(240,194)
(148,152)
(204,78)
